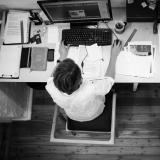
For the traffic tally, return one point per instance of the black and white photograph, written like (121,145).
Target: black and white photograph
(79,80)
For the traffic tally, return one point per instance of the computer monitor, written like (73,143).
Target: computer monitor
(77,11)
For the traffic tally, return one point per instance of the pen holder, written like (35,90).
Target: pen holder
(120,27)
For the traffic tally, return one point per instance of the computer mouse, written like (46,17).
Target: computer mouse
(117,40)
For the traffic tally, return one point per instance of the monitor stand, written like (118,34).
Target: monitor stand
(82,24)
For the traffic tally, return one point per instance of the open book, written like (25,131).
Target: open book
(17,27)
(137,60)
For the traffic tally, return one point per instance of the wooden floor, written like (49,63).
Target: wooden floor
(138,126)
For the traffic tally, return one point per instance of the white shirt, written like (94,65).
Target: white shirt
(84,104)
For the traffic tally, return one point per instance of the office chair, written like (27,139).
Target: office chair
(98,131)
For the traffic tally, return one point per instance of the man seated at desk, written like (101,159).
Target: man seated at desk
(81,99)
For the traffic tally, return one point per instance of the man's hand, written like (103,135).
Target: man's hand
(116,48)
(63,51)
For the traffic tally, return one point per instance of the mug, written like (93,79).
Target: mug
(120,27)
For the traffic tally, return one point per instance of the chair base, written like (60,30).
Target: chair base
(60,134)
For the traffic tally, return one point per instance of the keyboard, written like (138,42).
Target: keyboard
(86,36)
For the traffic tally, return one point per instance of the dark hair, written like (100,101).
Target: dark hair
(67,76)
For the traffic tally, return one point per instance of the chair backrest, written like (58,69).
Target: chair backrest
(100,124)
(60,133)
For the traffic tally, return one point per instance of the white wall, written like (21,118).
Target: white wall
(32,4)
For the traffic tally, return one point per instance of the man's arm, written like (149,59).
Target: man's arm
(63,51)
(116,48)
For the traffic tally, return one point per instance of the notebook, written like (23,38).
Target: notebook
(134,63)
(10,56)
(17,27)
(39,58)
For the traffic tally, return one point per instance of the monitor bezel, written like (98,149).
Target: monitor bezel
(42,3)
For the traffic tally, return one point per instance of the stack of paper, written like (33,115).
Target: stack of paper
(10,56)
(93,62)
(136,60)
(17,27)
(91,57)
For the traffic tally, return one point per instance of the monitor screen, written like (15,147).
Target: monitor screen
(77,11)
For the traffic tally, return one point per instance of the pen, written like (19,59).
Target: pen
(22,32)
(28,59)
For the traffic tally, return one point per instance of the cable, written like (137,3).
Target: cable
(82,63)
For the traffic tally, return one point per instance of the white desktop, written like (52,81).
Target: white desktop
(118,14)
(144,33)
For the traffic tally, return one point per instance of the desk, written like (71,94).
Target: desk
(144,33)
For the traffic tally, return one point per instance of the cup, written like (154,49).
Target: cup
(120,27)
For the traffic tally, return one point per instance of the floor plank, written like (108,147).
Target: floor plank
(138,125)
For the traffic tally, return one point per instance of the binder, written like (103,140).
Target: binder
(10,56)
(25,57)
(17,27)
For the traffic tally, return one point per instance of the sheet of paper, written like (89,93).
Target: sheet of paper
(133,65)
(10,56)
(78,54)
(17,27)
(53,34)
(73,54)
(93,62)
(94,52)
(91,56)
(92,69)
